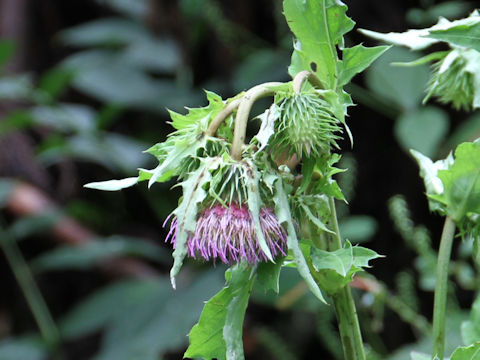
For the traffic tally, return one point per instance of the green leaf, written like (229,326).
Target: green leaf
(195,115)
(319,27)
(465,35)
(339,261)
(113,185)
(186,212)
(282,211)
(267,126)
(182,149)
(429,171)
(422,129)
(471,327)
(218,334)
(471,352)
(438,55)
(357,59)
(268,274)
(463,32)
(335,269)
(254,204)
(462,182)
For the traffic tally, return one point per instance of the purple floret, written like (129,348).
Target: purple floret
(228,234)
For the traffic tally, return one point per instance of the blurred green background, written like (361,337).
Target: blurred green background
(84,89)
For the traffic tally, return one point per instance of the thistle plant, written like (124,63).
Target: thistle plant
(269,201)
(452,184)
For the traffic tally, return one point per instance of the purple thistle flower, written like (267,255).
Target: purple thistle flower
(228,234)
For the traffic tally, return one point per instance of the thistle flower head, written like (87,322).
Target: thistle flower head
(453,79)
(227,233)
(306,125)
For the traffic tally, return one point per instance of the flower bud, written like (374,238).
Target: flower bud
(453,79)
(227,233)
(306,126)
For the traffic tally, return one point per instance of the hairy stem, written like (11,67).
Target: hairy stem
(32,294)
(222,115)
(303,76)
(441,287)
(243,113)
(345,309)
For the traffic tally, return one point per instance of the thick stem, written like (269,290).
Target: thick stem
(344,304)
(441,287)
(243,113)
(32,294)
(303,76)
(222,115)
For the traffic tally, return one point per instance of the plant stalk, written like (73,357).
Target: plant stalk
(222,115)
(243,113)
(344,304)
(35,300)
(303,76)
(441,287)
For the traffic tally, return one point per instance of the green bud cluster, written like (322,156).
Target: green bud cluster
(453,79)
(307,125)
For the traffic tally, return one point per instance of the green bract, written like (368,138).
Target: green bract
(454,79)
(307,125)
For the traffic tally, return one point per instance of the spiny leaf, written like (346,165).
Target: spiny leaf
(319,27)
(282,211)
(215,104)
(218,334)
(466,34)
(254,205)
(462,182)
(357,59)
(268,274)
(337,268)
(463,32)
(186,212)
(471,352)
(179,152)
(429,173)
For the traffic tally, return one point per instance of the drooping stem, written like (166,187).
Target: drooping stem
(344,304)
(32,294)
(243,113)
(303,76)
(222,115)
(441,287)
